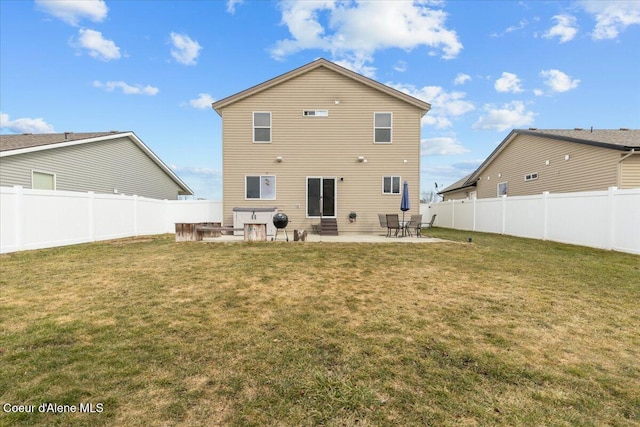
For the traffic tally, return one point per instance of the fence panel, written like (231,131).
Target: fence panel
(626,218)
(600,219)
(34,219)
(57,217)
(578,218)
(489,215)
(524,216)
(463,215)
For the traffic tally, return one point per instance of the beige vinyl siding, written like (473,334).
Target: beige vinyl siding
(322,147)
(630,171)
(589,168)
(101,167)
(457,195)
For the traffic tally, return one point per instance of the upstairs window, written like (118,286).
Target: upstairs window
(262,127)
(382,128)
(390,185)
(262,187)
(531,176)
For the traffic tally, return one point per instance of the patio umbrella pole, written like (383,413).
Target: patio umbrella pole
(405,204)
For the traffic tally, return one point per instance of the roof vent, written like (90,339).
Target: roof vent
(578,129)
(114,131)
(533,128)
(66,135)
(624,128)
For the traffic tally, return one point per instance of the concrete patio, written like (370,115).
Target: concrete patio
(343,238)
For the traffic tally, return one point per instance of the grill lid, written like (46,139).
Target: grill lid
(280,220)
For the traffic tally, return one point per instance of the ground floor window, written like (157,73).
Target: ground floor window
(43,180)
(503,188)
(391,185)
(261,187)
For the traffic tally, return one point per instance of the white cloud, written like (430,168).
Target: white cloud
(523,23)
(461,79)
(401,66)
(565,28)
(72,11)
(358,62)
(354,30)
(203,101)
(441,146)
(444,105)
(25,125)
(126,88)
(509,116)
(559,81)
(205,182)
(231,5)
(98,46)
(612,17)
(185,50)
(509,82)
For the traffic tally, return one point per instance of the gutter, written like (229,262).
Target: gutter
(631,153)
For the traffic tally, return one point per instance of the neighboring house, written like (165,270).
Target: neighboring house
(102,162)
(558,161)
(318,142)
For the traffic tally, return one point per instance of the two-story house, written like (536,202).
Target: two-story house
(532,161)
(321,142)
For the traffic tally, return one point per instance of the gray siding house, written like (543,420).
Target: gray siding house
(533,161)
(102,162)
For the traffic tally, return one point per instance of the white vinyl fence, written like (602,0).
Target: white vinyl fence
(600,219)
(34,219)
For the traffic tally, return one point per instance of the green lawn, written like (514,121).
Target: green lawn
(503,331)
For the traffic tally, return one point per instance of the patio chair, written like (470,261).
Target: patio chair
(414,223)
(393,223)
(383,221)
(430,223)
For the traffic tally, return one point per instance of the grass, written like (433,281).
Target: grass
(503,331)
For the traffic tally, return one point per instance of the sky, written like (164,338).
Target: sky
(155,67)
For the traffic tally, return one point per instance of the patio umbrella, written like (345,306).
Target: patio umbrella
(405,204)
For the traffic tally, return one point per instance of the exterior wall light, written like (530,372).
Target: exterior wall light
(279,159)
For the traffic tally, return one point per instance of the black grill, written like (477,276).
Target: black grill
(280,220)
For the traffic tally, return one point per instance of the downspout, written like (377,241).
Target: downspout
(631,153)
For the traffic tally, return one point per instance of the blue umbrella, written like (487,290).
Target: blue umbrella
(405,204)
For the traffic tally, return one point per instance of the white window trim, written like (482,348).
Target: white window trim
(399,185)
(261,178)
(316,113)
(55,178)
(530,176)
(376,127)
(254,127)
(498,189)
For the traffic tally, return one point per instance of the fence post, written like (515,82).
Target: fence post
(91,213)
(611,216)
(135,215)
(504,214)
(18,212)
(474,214)
(453,214)
(545,215)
